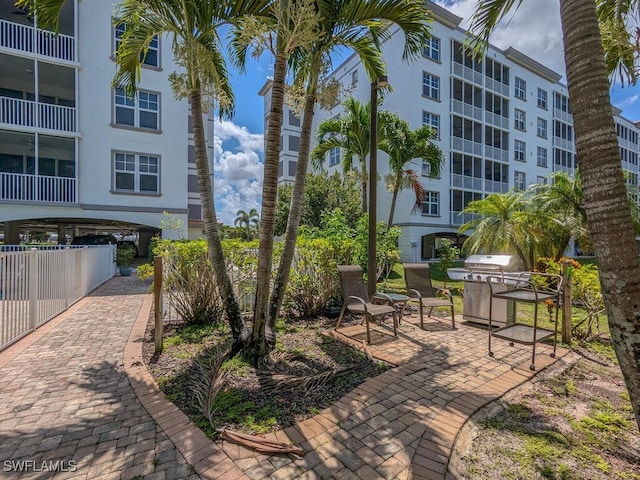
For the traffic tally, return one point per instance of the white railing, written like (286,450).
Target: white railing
(37,285)
(564,116)
(27,113)
(562,143)
(466,182)
(496,187)
(496,153)
(26,38)
(37,188)
(497,120)
(466,146)
(458,218)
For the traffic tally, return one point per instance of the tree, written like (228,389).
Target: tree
(250,220)
(351,133)
(403,145)
(501,226)
(605,196)
(196,47)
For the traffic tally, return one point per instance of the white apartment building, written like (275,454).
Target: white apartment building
(504,122)
(78,155)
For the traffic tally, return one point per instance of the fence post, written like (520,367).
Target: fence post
(33,288)
(566,302)
(157,297)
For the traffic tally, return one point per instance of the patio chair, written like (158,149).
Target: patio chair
(356,299)
(417,277)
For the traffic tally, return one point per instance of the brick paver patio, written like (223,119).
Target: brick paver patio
(76,391)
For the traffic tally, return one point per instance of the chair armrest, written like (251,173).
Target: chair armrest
(360,300)
(411,292)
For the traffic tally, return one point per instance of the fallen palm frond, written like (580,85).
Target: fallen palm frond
(261,444)
(208,381)
(273,382)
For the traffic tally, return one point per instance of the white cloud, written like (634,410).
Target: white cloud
(238,169)
(627,102)
(534,29)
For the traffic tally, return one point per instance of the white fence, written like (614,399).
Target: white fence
(38,284)
(34,40)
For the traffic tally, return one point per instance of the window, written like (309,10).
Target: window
(542,98)
(430,86)
(561,102)
(520,89)
(294,143)
(293,120)
(151,58)
(542,128)
(520,120)
(466,165)
(519,180)
(432,120)
(334,156)
(432,49)
(141,112)
(541,180)
(354,78)
(497,71)
(496,171)
(431,204)
(136,173)
(542,157)
(519,151)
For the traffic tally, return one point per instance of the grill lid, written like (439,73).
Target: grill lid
(503,263)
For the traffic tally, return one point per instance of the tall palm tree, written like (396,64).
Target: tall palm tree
(355,24)
(193,26)
(250,220)
(605,195)
(351,133)
(501,226)
(404,145)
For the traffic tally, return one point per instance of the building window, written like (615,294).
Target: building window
(141,112)
(496,171)
(542,98)
(519,180)
(334,156)
(354,78)
(541,180)
(520,120)
(542,128)
(151,58)
(293,120)
(431,204)
(432,49)
(520,89)
(136,173)
(519,151)
(294,143)
(542,157)
(432,120)
(430,86)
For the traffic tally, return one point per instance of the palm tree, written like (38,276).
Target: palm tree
(351,134)
(250,220)
(605,196)
(353,24)
(403,145)
(501,226)
(196,46)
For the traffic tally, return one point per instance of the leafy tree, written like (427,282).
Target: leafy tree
(404,145)
(448,253)
(605,196)
(250,220)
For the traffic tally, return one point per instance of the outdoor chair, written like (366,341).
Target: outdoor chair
(417,277)
(356,299)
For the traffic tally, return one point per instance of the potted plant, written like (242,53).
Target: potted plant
(124,260)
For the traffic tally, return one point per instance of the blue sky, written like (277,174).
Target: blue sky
(534,30)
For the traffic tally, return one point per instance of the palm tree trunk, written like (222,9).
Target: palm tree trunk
(216,256)
(295,212)
(605,197)
(394,197)
(263,339)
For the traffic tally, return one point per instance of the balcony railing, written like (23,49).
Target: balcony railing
(35,40)
(18,112)
(458,218)
(37,188)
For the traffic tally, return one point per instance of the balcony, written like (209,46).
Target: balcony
(459,218)
(466,182)
(21,187)
(29,39)
(466,109)
(16,112)
(496,153)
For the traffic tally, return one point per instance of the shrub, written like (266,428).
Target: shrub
(313,281)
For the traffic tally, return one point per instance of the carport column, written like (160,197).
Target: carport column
(12,233)
(62,234)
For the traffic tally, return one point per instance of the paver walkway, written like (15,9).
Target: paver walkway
(76,392)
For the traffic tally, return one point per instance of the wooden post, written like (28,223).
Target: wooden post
(157,300)
(566,302)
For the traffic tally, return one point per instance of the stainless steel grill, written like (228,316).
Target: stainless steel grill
(477,293)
